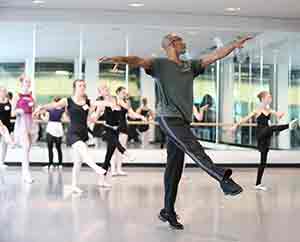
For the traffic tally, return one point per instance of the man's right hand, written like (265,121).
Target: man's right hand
(103,58)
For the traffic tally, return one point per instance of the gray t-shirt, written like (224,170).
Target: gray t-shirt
(174,85)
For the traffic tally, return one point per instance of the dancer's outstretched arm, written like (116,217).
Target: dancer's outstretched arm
(223,52)
(135,115)
(134,61)
(244,120)
(97,109)
(60,104)
(277,114)
(131,112)
(150,114)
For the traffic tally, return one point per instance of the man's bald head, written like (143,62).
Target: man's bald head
(169,39)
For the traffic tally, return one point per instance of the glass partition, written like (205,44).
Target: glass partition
(54,54)
(16,53)
(57,60)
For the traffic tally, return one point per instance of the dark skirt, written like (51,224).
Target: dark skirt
(77,134)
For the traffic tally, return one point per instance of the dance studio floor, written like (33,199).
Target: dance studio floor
(46,211)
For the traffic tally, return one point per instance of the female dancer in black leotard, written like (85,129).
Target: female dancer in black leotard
(5,125)
(122,96)
(78,108)
(264,131)
(113,114)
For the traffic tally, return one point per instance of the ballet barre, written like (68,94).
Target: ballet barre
(194,124)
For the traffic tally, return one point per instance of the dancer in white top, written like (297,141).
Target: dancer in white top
(55,133)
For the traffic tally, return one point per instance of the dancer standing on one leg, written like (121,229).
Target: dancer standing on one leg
(264,131)
(5,126)
(113,115)
(174,79)
(25,130)
(123,102)
(55,133)
(99,129)
(79,109)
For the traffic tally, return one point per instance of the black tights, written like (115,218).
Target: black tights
(262,166)
(264,135)
(112,139)
(267,131)
(51,140)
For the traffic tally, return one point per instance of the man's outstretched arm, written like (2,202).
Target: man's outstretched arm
(134,61)
(223,52)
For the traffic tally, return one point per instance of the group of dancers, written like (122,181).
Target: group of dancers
(80,111)
(173,77)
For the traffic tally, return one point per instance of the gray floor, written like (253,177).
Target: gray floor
(46,211)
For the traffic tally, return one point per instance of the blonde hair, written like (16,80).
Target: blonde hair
(262,94)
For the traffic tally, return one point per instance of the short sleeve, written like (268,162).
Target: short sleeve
(197,68)
(69,101)
(88,102)
(154,69)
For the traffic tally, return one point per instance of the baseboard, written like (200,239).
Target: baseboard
(233,165)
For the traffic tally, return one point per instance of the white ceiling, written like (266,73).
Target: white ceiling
(254,8)
(105,25)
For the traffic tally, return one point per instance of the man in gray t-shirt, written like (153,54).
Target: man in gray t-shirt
(175,87)
(174,81)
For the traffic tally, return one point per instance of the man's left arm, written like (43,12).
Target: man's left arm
(223,52)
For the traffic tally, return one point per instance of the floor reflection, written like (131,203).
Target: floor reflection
(44,211)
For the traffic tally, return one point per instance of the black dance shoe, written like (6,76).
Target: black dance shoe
(171,218)
(229,187)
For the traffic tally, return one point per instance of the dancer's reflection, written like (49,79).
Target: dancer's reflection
(7,209)
(55,185)
(23,213)
(261,218)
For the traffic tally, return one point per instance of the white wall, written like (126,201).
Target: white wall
(157,156)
